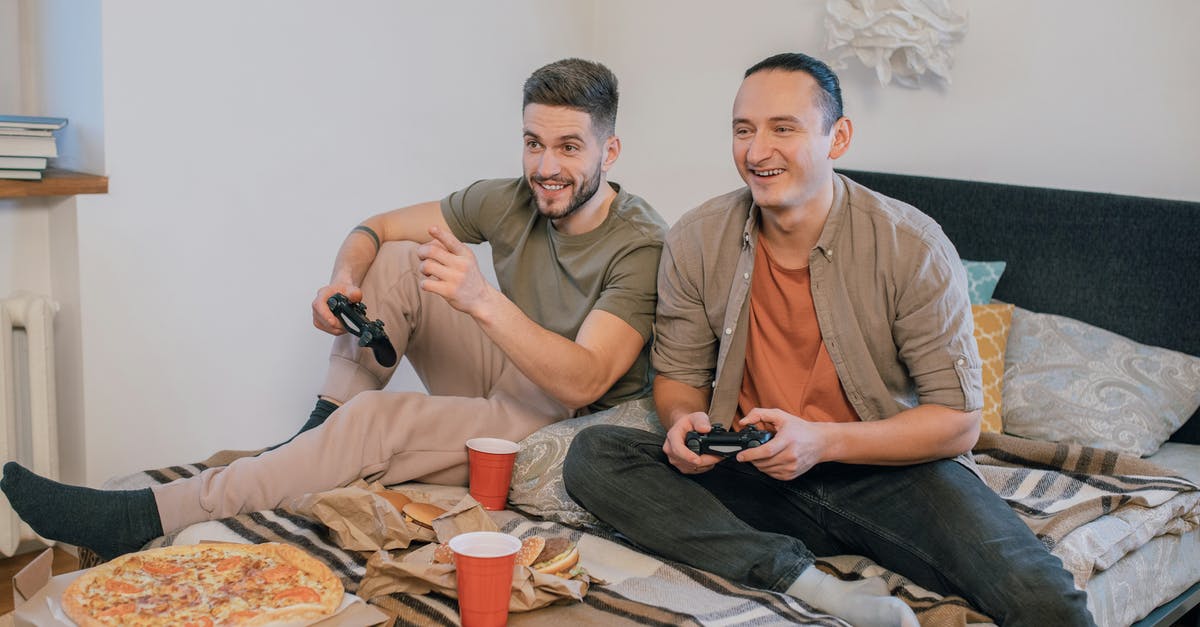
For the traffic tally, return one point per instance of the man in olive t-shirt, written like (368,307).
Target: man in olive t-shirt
(576,259)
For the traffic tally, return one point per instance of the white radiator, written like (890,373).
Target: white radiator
(28,416)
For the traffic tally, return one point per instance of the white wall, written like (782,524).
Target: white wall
(1096,95)
(244,139)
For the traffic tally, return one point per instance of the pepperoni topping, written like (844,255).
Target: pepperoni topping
(118,610)
(161,568)
(299,594)
(121,587)
(230,562)
(279,572)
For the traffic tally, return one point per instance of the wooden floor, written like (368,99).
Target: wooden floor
(63,563)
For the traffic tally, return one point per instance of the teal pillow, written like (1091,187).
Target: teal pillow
(982,277)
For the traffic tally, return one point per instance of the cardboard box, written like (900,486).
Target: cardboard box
(37,598)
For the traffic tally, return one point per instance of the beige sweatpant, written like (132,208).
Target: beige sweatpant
(474,391)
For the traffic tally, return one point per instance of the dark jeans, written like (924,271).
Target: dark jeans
(935,523)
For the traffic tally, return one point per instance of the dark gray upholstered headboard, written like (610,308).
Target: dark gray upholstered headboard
(1123,263)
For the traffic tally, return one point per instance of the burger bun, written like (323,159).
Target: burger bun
(421,514)
(558,557)
(396,499)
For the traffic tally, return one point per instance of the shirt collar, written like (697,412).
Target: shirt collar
(833,222)
(835,219)
(750,229)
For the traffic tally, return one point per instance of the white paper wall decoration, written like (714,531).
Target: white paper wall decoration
(902,39)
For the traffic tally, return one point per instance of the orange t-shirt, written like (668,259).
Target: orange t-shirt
(787,366)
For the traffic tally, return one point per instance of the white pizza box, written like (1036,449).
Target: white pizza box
(38,600)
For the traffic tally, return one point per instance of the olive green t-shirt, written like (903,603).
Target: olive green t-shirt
(557,279)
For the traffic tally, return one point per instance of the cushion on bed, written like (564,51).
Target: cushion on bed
(982,277)
(1067,381)
(537,482)
(992,323)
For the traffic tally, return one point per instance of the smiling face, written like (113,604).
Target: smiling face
(564,161)
(780,145)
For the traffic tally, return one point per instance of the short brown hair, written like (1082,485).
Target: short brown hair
(577,84)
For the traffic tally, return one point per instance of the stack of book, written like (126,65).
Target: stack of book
(26,144)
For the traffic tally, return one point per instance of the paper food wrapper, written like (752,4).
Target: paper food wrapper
(361,520)
(530,589)
(414,572)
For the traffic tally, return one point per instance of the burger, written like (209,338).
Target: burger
(396,499)
(531,548)
(421,514)
(559,557)
(556,556)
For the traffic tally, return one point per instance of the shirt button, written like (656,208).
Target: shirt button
(961,361)
(728,331)
(746,275)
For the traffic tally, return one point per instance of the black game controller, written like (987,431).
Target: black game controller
(722,442)
(369,332)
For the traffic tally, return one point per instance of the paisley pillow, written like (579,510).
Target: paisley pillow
(1067,381)
(537,484)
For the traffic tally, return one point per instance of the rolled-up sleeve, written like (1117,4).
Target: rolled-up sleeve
(685,348)
(933,329)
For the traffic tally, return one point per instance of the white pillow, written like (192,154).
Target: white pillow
(1067,381)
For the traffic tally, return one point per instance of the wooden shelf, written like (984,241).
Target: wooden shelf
(55,183)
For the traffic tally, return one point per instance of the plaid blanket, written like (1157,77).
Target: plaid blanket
(1088,506)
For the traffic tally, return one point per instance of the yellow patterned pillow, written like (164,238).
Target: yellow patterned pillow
(992,323)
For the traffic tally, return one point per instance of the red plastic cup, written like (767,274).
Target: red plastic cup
(484,561)
(490,462)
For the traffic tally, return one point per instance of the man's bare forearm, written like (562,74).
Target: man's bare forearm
(362,243)
(921,434)
(574,372)
(674,399)
(354,257)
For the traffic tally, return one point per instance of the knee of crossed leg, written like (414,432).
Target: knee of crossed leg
(589,456)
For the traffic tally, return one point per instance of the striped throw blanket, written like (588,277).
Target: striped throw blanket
(1089,506)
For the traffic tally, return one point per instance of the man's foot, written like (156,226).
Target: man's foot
(109,522)
(862,603)
(316,419)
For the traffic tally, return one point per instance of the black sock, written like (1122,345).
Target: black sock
(109,522)
(315,419)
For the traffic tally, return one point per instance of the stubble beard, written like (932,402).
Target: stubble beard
(585,189)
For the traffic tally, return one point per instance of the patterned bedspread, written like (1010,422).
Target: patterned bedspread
(1089,506)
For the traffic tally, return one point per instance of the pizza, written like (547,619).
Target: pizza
(205,585)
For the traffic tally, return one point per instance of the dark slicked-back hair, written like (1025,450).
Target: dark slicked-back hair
(584,85)
(830,98)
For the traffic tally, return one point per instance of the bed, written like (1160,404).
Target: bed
(1107,279)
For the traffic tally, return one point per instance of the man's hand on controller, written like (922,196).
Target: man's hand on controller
(796,447)
(676,448)
(452,272)
(323,318)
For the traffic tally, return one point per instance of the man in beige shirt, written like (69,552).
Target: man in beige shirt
(809,306)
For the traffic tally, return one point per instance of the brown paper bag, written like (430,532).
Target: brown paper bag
(414,572)
(359,519)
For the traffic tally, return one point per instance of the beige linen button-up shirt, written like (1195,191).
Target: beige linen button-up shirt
(889,290)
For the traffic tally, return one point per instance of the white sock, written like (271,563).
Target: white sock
(862,603)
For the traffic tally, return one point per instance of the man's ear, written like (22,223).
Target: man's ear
(612,150)
(842,131)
